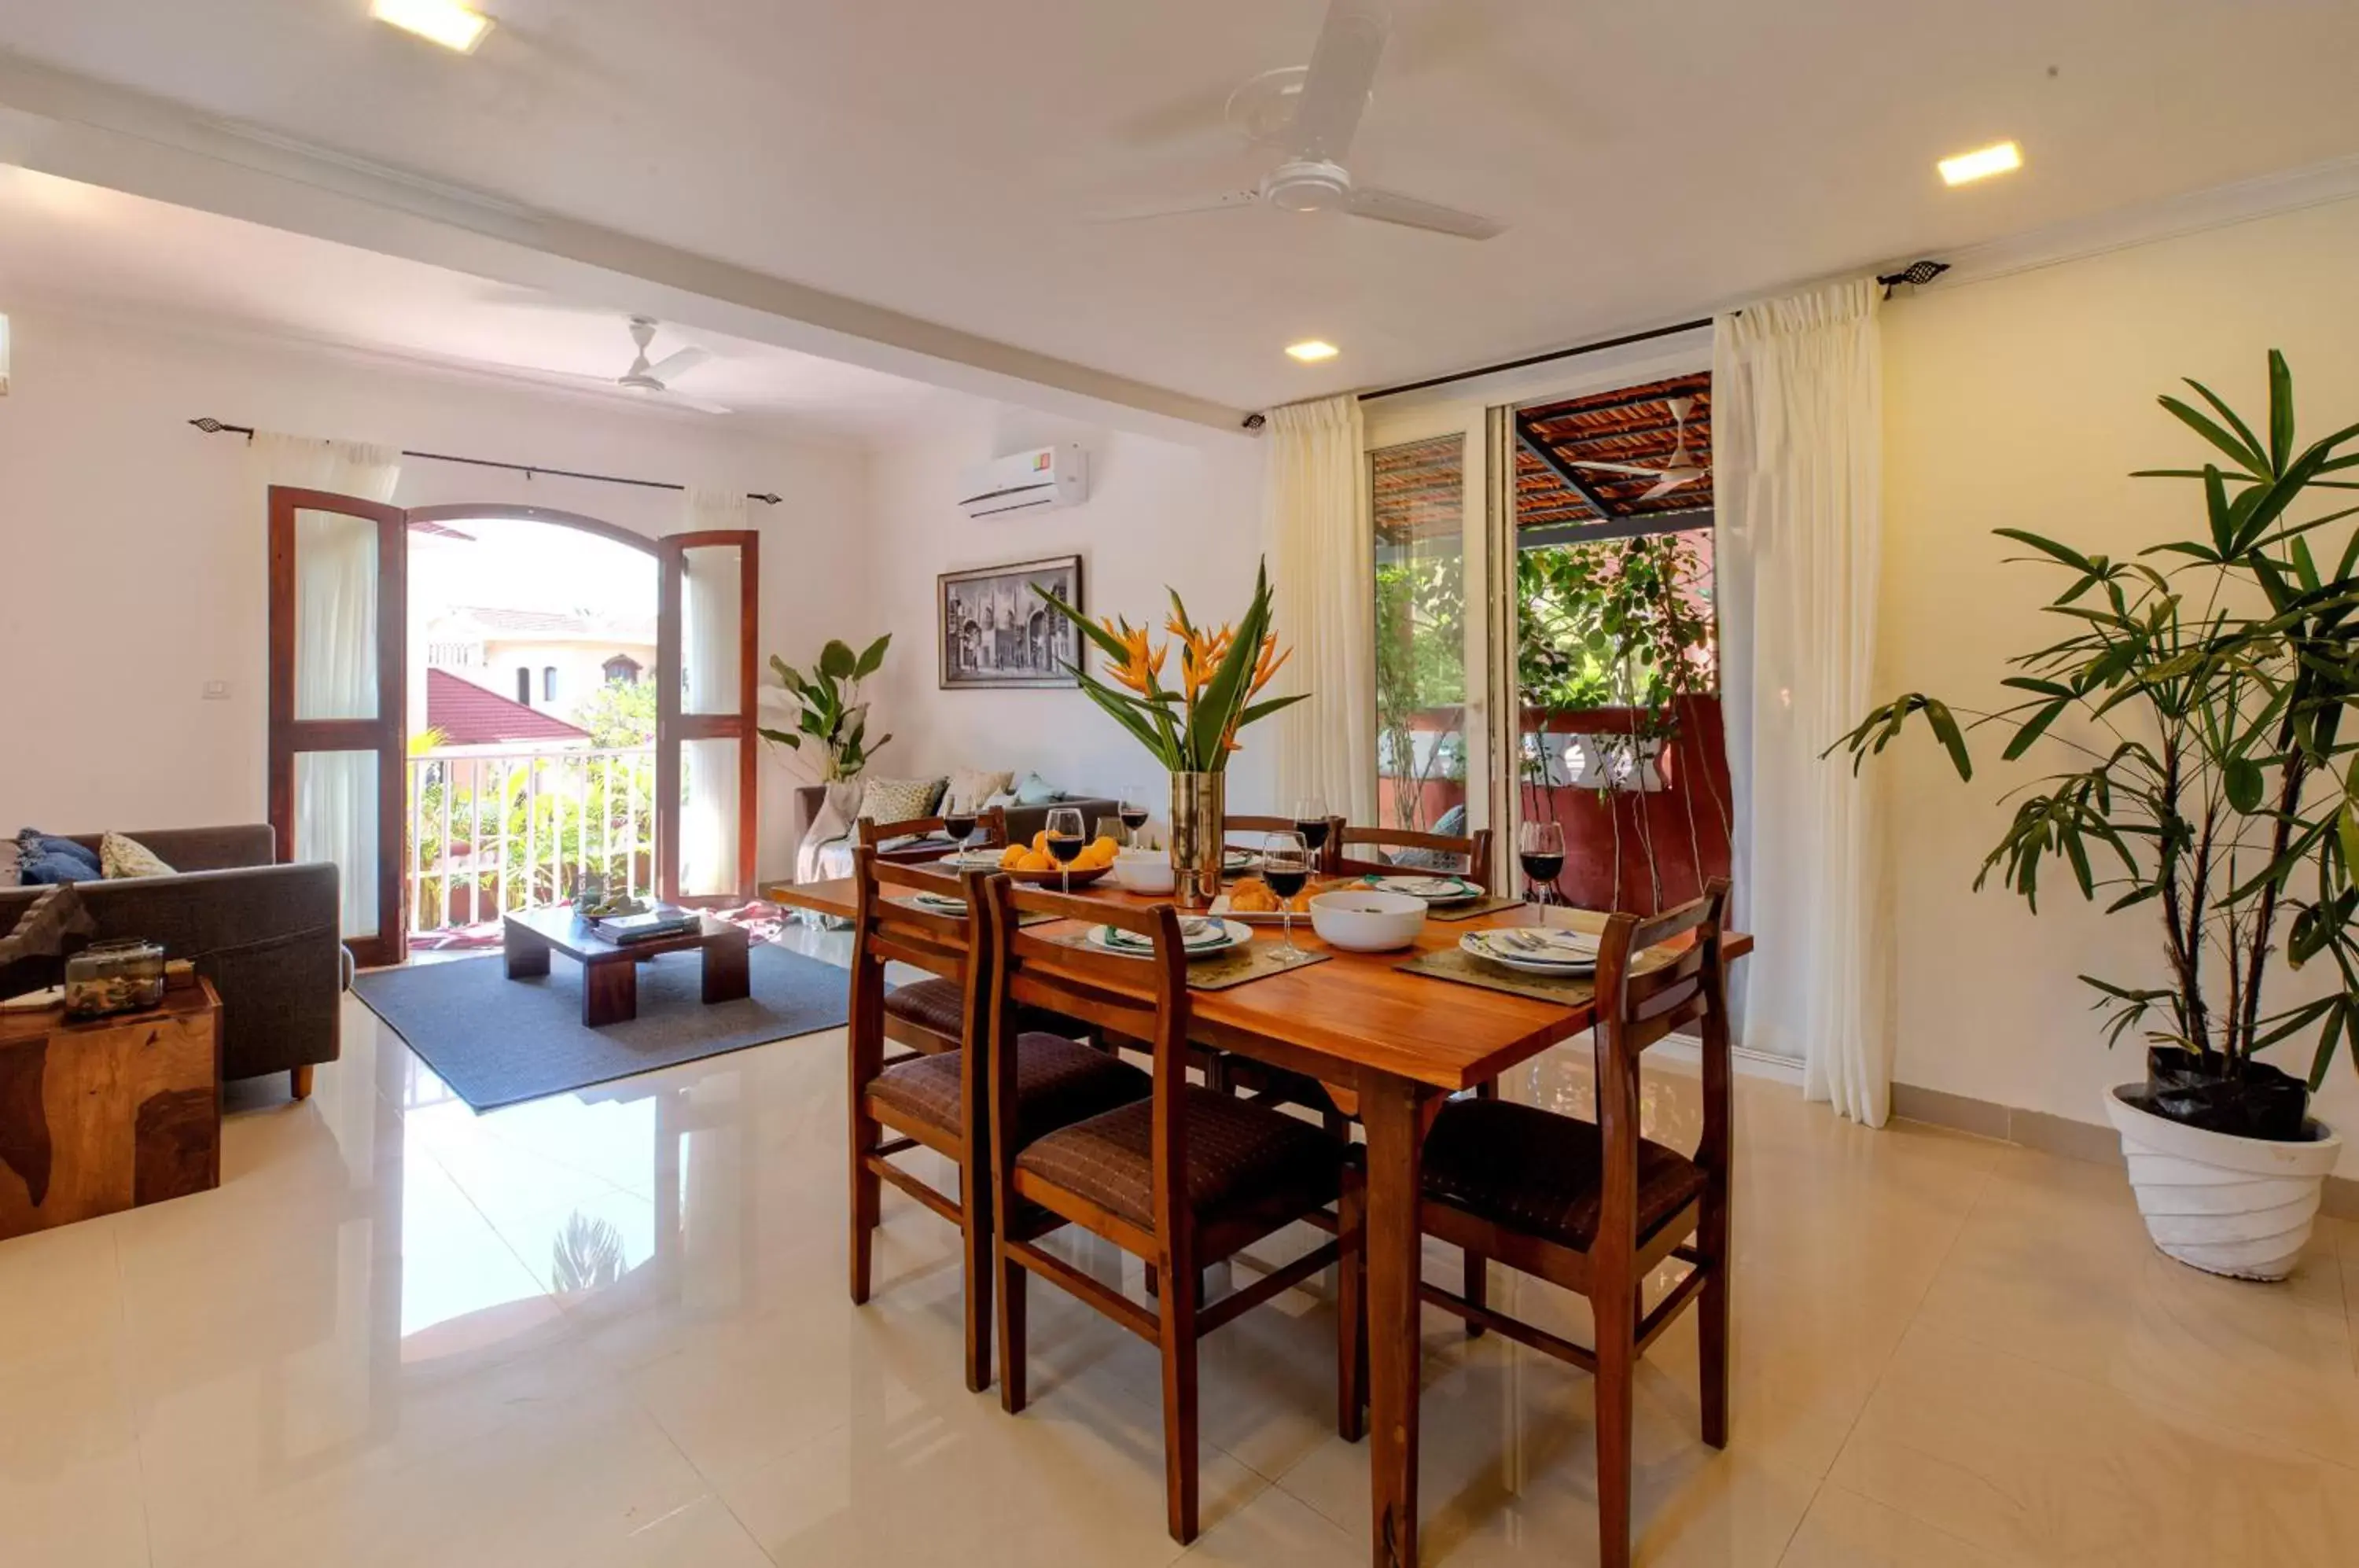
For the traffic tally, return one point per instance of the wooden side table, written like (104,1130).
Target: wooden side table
(108,1115)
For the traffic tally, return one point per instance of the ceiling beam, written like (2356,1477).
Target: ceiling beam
(79,128)
(1635,525)
(1548,459)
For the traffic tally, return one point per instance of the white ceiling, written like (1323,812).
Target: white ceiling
(938,160)
(94,248)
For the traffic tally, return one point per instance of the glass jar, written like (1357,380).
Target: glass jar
(115,977)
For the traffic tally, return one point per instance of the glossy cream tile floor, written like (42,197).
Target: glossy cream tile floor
(611,1329)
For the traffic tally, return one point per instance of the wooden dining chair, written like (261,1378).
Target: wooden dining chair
(937,1101)
(1183,1179)
(1374,852)
(927,1016)
(1596,1207)
(1252,828)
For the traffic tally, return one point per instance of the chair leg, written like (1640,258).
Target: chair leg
(975,1258)
(1617,1325)
(1179,1341)
(1351,1310)
(867,1202)
(1011,1333)
(298,1082)
(1712,1324)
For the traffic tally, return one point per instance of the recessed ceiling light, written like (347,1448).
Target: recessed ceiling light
(1310,351)
(446,22)
(1982,163)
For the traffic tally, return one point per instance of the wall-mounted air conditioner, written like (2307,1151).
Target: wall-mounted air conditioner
(1036,481)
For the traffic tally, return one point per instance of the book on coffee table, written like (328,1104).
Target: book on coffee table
(655,923)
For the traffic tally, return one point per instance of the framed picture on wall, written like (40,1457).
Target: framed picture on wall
(996,632)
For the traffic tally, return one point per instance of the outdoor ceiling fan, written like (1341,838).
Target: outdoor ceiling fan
(1310,114)
(1682,470)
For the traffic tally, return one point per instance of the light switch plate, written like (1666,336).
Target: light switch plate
(216,691)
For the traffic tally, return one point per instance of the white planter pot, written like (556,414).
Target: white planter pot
(2240,1207)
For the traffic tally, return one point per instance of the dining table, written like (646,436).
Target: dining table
(1390,1047)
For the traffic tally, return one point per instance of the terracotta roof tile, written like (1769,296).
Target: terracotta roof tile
(467,714)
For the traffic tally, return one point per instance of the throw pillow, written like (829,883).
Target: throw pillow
(1453,823)
(1035,792)
(37,845)
(119,856)
(899,799)
(45,869)
(977,785)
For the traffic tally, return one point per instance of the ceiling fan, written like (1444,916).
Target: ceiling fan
(1310,114)
(655,380)
(1682,470)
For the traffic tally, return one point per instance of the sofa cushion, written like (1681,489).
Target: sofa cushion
(899,799)
(978,786)
(119,856)
(1034,791)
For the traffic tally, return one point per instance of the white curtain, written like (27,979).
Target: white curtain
(1324,575)
(1799,478)
(711,612)
(335,652)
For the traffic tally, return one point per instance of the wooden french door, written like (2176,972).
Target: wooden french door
(706,624)
(338,699)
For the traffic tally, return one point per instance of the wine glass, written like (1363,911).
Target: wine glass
(1310,822)
(1285,869)
(1065,841)
(1113,828)
(959,819)
(1132,810)
(1540,847)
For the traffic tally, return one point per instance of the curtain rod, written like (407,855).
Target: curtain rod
(213,427)
(1599,347)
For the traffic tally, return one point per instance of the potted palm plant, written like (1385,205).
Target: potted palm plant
(2198,694)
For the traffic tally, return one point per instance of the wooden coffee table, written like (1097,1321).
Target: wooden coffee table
(610,971)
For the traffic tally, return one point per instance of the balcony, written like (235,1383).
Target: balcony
(495,831)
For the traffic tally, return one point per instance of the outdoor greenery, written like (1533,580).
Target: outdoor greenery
(1420,665)
(619,713)
(2198,691)
(1194,729)
(832,717)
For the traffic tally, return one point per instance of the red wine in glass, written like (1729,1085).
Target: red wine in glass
(1286,883)
(1133,817)
(1065,847)
(960,827)
(1314,834)
(1543,869)
(1540,848)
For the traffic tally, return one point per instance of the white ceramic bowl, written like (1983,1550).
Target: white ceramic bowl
(1143,871)
(1363,920)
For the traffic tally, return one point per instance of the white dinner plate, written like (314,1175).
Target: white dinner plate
(1441,890)
(972,860)
(939,903)
(1219,937)
(1534,950)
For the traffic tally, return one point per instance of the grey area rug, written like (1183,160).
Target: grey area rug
(497,1042)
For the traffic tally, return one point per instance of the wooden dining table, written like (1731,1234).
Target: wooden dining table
(1390,1047)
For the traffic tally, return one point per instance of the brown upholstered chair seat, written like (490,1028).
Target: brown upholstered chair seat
(1542,1172)
(1240,1156)
(1058,1081)
(940,1006)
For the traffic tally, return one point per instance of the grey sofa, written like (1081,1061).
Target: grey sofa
(266,935)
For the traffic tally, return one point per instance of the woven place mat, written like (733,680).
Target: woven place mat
(1489,904)
(1455,963)
(1237,966)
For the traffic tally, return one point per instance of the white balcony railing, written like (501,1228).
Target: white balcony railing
(495,831)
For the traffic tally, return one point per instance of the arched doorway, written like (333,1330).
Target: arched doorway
(353,676)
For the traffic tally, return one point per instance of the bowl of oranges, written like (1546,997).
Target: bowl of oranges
(1033,862)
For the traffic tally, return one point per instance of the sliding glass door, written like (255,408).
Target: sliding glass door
(1545,645)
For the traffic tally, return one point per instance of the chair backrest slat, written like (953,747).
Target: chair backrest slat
(1472,849)
(991,833)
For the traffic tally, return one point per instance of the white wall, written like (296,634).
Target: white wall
(132,555)
(2024,401)
(1185,516)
